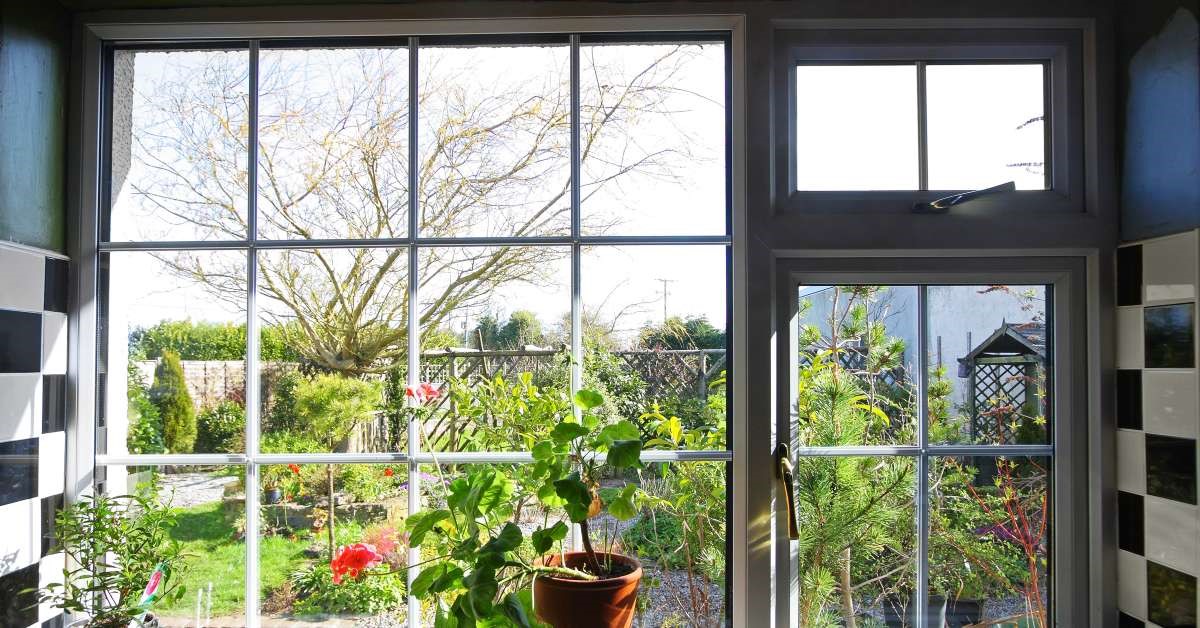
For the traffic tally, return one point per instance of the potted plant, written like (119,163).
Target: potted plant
(108,592)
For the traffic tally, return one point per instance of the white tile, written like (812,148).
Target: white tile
(1130,338)
(22,280)
(1131,461)
(50,569)
(1169,268)
(1131,583)
(21,542)
(20,406)
(1170,403)
(52,449)
(54,343)
(1173,534)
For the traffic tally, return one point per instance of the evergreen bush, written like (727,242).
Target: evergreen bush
(221,429)
(145,425)
(174,403)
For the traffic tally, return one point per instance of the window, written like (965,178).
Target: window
(878,120)
(297,232)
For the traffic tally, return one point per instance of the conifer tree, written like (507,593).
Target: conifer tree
(170,394)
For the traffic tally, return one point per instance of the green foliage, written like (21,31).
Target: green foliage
(145,425)
(221,428)
(207,341)
(694,332)
(170,395)
(318,595)
(522,328)
(282,416)
(133,528)
(506,415)
(332,405)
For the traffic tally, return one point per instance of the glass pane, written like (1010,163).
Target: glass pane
(495,335)
(495,141)
(207,507)
(334,348)
(989,537)
(179,133)
(988,357)
(173,351)
(654,333)
(856,127)
(987,125)
(857,544)
(653,138)
(295,571)
(333,143)
(867,395)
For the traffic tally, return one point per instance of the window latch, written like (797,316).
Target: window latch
(783,472)
(942,205)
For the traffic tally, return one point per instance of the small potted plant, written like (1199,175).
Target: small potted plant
(120,592)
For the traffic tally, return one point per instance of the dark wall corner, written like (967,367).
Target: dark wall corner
(1158,60)
(35,43)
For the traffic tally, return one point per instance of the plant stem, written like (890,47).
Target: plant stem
(564,571)
(593,563)
(847,591)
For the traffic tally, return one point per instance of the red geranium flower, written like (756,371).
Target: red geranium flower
(388,472)
(295,468)
(352,560)
(424,393)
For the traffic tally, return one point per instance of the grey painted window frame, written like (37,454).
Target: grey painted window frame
(1060,49)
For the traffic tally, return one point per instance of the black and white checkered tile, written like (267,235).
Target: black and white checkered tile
(33,367)
(1158,420)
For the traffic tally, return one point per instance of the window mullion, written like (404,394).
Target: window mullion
(922,130)
(251,363)
(414,332)
(576,249)
(922,592)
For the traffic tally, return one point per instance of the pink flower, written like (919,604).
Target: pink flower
(425,393)
(352,560)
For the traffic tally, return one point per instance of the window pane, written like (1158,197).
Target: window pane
(856,127)
(857,535)
(988,358)
(371,505)
(986,126)
(654,332)
(173,351)
(334,348)
(653,138)
(488,313)
(867,395)
(333,143)
(495,141)
(207,505)
(989,537)
(179,133)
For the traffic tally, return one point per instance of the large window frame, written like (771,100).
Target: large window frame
(86,463)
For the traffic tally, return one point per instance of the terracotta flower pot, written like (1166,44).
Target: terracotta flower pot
(604,603)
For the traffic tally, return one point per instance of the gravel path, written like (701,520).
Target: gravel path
(185,490)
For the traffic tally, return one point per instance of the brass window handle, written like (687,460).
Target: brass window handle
(783,471)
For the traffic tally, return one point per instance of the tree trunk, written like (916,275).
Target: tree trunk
(332,508)
(593,562)
(847,592)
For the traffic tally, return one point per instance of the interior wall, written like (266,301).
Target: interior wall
(34,59)
(1159,94)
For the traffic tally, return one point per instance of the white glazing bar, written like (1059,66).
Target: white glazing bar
(414,323)
(252,382)
(467,457)
(922,590)
(576,250)
(351,243)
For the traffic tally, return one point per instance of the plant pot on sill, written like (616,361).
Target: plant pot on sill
(940,612)
(603,603)
(272,495)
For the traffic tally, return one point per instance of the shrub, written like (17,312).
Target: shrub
(282,416)
(145,425)
(174,403)
(221,428)
(318,595)
(332,405)
(657,537)
(207,341)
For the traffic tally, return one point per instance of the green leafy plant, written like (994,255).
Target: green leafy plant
(145,425)
(170,395)
(316,593)
(112,545)
(221,428)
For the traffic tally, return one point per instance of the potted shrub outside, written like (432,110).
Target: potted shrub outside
(116,593)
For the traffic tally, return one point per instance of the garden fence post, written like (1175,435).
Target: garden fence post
(453,405)
(702,380)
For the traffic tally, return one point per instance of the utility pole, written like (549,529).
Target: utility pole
(665,290)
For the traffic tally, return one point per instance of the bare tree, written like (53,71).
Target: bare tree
(333,132)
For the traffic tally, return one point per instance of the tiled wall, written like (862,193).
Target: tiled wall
(33,367)
(1158,419)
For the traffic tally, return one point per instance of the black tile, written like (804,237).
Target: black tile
(20,342)
(54,398)
(18,470)
(1129,621)
(50,507)
(56,285)
(1171,596)
(18,605)
(1129,399)
(1171,467)
(1170,341)
(1131,522)
(1129,275)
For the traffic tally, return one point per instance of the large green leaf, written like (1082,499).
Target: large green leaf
(588,399)
(515,609)
(564,433)
(435,579)
(622,506)
(624,454)
(621,430)
(508,539)
(481,592)
(545,538)
(421,523)
(575,493)
(544,450)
